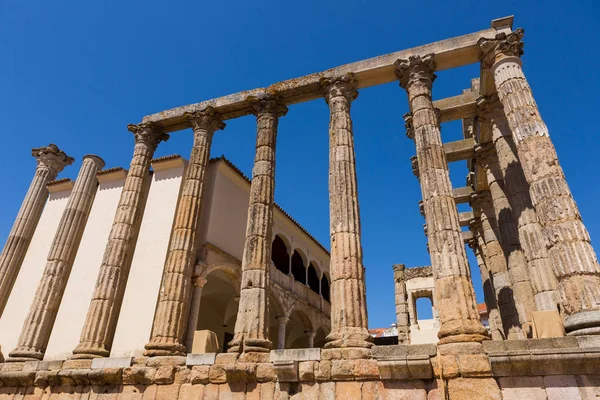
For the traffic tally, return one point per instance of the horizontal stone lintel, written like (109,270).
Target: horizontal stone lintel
(466,236)
(459,150)
(462,194)
(464,218)
(457,107)
(449,53)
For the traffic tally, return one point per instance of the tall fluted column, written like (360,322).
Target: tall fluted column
(402,321)
(455,296)
(101,320)
(172,311)
(252,324)
(573,258)
(38,324)
(486,157)
(530,235)
(50,162)
(198,283)
(281,333)
(497,265)
(349,327)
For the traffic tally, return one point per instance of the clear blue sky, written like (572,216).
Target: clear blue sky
(75,73)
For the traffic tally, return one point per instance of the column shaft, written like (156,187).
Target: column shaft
(51,161)
(349,326)
(252,324)
(567,239)
(455,296)
(172,311)
(402,321)
(101,320)
(44,308)
(199,283)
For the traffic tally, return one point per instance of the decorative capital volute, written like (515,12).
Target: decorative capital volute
(408,124)
(344,86)
(271,104)
(148,133)
(208,119)
(501,46)
(52,158)
(416,69)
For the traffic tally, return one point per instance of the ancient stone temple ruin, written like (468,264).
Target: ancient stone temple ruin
(201,287)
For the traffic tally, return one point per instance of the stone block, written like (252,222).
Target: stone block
(323,370)
(50,365)
(342,370)
(165,375)
(348,390)
(240,372)
(356,353)
(160,361)
(493,346)
(306,371)
(473,388)
(211,392)
(588,341)
(182,375)
(401,390)
(167,392)
(76,364)
(331,354)
(566,342)
(216,374)
(226,358)
(131,392)
(561,387)
(267,390)
(201,359)
(390,352)
(265,372)
(327,390)
(190,392)
(422,349)
(449,366)
(138,375)
(474,365)
(200,374)
(589,387)
(286,371)
(295,355)
(233,391)
(366,369)
(393,369)
(31,365)
(419,367)
(111,362)
(522,387)
(12,366)
(254,357)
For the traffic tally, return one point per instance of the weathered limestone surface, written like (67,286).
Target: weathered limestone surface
(573,258)
(349,327)
(252,324)
(38,324)
(530,235)
(497,264)
(198,283)
(509,237)
(101,321)
(402,321)
(170,320)
(50,162)
(454,292)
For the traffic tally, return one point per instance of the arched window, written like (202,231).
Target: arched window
(298,268)
(279,255)
(325,287)
(313,278)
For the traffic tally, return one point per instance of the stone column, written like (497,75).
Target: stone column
(529,229)
(455,296)
(486,157)
(311,339)
(349,327)
(198,283)
(44,308)
(172,311)
(281,336)
(252,324)
(497,265)
(402,321)
(50,162)
(567,239)
(477,244)
(101,321)
(412,312)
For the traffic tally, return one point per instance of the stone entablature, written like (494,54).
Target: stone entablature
(418,272)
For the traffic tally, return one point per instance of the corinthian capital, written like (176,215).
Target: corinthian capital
(52,157)
(501,46)
(416,69)
(344,85)
(148,133)
(208,119)
(270,104)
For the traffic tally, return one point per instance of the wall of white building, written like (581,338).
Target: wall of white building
(21,297)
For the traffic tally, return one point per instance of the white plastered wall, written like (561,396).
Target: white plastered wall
(80,287)
(139,302)
(427,329)
(21,297)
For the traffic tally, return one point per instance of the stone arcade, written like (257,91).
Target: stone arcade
(116,320)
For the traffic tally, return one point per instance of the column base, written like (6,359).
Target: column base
(240,344)
(583,323)
(459,331)
(160,349)
(347,338)
(86,351)
(25,354)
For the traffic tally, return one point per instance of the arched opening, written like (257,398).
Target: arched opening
(424,309)
(298,268)
(296,331)
(280,256)
(320,338)
(313,278)
(325,287)
(275,314)
(218,307)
